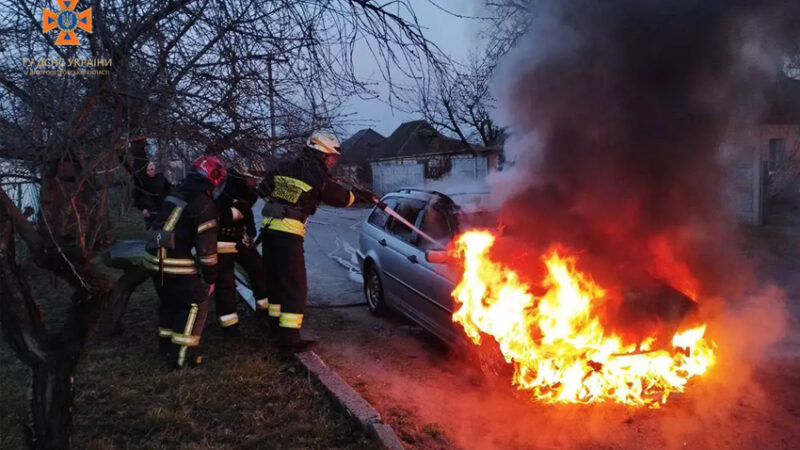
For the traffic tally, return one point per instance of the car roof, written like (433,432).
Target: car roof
(467,201)
(415,193)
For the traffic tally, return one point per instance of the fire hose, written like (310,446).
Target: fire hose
(373,198)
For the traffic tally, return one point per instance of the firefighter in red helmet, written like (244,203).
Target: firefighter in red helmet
(236,245)
(292,193)
(186,220)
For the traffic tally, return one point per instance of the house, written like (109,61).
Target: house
(766,181)
(779,150)
(19,183)
(356,151)
(416,153)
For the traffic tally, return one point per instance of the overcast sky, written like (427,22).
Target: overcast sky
(454,36)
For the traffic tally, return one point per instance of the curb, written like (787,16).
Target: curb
(353,403)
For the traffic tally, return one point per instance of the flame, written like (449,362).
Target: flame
(556,342)
(668,268)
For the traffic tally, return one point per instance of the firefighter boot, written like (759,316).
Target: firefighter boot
(289,341)
(268,319)
(231,330)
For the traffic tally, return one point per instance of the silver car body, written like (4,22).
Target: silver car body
(413,286)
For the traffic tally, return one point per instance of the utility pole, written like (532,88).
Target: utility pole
(270,81)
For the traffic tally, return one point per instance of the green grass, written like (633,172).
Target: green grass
(243,396)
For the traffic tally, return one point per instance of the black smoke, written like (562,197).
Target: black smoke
(622,112)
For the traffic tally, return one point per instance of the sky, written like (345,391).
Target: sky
(455,37)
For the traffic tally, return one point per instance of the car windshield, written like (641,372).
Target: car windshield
(475,210)
(470,202)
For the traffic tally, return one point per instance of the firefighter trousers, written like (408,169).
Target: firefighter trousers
(182,314)
(286,281)
(250,261)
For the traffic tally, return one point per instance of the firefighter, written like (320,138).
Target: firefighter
(187,219)
(150,192)
(292,192)
(237,232)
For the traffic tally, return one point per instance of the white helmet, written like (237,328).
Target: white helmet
(325,142)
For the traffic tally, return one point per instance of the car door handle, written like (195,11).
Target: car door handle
(382,242)
(413,259)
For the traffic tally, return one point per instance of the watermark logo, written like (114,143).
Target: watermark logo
(67,21)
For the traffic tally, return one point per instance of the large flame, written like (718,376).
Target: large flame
(556,342)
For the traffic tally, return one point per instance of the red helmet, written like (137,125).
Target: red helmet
(211,168)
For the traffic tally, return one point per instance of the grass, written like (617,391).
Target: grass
(243,396)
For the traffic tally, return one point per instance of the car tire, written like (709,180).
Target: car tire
(490,359)
(373,291)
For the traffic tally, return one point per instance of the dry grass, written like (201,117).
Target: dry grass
(243,396)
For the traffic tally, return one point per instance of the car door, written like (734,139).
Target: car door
(398,259)
(373,231)
(373,239)
(432,282)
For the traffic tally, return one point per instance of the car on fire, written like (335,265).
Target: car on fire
(405,273)
(411,275)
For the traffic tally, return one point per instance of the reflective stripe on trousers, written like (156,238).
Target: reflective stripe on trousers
(186,339)
(226,247)
(291,320)
(228,319)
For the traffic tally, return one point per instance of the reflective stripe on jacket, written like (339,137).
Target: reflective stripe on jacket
(189,213)
(301,184)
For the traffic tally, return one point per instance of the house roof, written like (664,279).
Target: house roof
(418,137)
(361,146)
(783,102)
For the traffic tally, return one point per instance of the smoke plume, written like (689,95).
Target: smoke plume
(620,112)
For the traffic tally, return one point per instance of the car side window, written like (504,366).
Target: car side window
(408,209)
(379,216)
(435,224)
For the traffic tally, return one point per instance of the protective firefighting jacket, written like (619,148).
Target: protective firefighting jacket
(236,194)
(295,188)
(187,219)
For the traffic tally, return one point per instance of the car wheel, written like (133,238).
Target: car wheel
(493,365)
(373,290)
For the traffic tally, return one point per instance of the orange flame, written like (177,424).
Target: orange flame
(556,343)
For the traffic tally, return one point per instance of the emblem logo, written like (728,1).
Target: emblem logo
(67,21)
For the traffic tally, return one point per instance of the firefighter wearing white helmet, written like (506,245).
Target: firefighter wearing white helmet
(324,142)
(292,191)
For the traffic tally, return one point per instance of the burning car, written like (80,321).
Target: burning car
(553,330)
(408,274)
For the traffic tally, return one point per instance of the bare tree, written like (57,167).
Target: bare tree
(459,101)
(183,73)
(509,20)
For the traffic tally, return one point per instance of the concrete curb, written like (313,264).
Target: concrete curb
(353,403)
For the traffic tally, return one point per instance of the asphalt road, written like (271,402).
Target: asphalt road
(330,245)
(334,278)
(436,399)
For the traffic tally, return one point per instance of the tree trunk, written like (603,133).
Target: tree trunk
(51,400)
(52,356)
